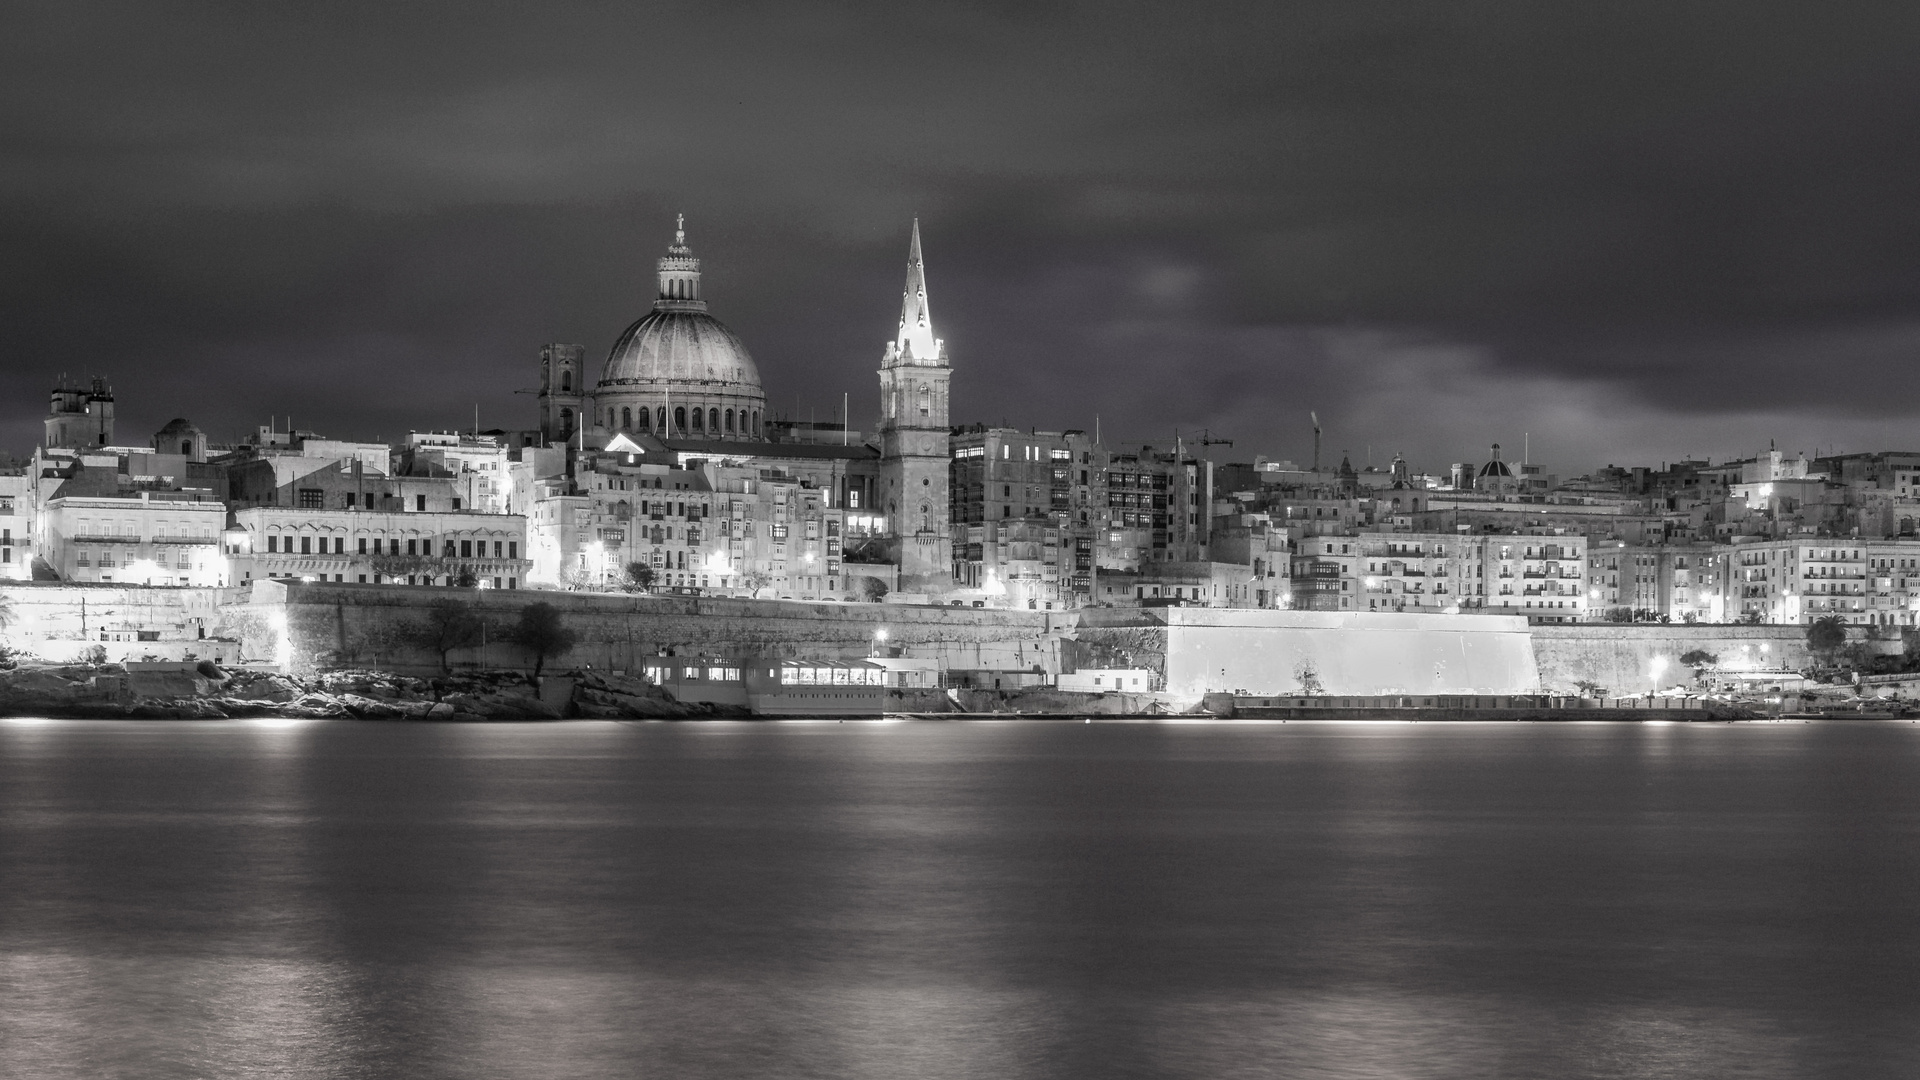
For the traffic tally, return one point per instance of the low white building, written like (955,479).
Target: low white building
(148,538)
(16,528)
(378,547)
(1108,680)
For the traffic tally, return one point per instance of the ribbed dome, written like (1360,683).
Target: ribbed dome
(680,345)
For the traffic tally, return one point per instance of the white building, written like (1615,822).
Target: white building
(477,465)
(378,547)
(148,537)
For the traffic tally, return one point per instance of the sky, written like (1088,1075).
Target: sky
(1612,233)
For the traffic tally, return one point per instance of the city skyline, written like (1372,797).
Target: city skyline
(1631,235)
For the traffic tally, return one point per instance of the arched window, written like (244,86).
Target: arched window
(626,419)
(566,381)
(755,430)
(699,420)
(646,420)
(926,396)
(566,419)
(729,416)
(680,419)
(713,420)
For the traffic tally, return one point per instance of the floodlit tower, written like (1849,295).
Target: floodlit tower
(914,437)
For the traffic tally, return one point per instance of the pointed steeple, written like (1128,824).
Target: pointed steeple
(915,340)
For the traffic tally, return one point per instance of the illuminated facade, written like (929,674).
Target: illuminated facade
(146,538)
(914,439)
(377,547)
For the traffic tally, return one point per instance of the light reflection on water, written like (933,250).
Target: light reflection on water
(993,899)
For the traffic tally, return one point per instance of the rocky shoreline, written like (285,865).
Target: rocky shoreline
(114,691)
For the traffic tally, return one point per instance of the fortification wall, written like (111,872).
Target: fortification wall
(1621,658)
(1268,652)
(59,621)
(309,626)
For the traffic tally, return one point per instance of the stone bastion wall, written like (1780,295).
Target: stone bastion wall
(1621,658)
(316,625)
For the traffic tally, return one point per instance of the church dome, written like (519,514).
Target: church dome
(678,341)
(684,346)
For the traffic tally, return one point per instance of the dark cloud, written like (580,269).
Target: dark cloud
(1643,229)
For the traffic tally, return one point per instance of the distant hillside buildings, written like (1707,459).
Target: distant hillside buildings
(660,468)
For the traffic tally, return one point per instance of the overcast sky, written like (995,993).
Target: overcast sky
(1634,231)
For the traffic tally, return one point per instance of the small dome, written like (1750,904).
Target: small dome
(1496,467)
(179,425)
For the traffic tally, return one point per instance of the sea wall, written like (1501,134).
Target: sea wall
(1275,652)
(310,626)
(60,621)
(1621,657)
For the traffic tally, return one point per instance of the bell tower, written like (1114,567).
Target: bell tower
(563,403)
(914,437)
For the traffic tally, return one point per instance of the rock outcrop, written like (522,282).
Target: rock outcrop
(188,693)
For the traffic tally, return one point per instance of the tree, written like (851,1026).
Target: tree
(873,589)
(541,633)
(1699,660)
(640,576)
(1826,635)
(450,625)
(1309,678)
(755,580)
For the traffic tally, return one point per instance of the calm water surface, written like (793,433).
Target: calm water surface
(935,900)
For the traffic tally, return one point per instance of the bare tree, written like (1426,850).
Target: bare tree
(541,633)
(450,625)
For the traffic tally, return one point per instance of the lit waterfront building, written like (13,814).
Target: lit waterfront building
(377,547)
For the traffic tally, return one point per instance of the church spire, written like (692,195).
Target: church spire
(915,340)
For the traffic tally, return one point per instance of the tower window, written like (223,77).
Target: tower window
(566,381)
(626,419)
(729,418)
(699,420)
(713,420)
(680,418)
(646,418)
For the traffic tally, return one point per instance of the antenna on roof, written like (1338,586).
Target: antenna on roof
(1316,440)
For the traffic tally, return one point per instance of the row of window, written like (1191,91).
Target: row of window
(316,499)
(448,581)
(105,558)
(318,545)
(704,421)
(185,530)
